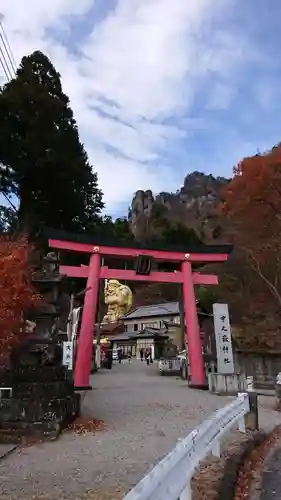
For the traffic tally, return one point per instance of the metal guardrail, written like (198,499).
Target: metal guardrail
(170,478)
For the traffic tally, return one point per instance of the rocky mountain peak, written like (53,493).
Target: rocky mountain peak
(193,205)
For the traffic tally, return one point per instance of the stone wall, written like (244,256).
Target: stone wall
(263,366)
(41,400)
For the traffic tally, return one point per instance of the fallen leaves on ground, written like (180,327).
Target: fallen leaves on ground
(210,471)
(83,425)
(205,481)
(253,465)
(97,494)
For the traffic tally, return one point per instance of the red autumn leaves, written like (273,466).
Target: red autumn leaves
(16,291)
(252,209)
(252,200)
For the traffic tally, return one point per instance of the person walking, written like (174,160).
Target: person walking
(119,352)
(129,355)
(147,356)
(109,358)
(141,353)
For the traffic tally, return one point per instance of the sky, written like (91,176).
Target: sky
(159,88)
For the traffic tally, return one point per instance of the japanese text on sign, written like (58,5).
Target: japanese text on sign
(223,339)
(67,356)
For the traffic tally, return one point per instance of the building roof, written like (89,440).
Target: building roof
(122,337)
(151,333)
(164,309)
(145,333)
(112,328)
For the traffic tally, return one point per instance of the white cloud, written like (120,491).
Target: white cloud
(31,19)
(148,57)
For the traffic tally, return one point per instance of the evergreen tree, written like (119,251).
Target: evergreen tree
(179,234)
(207,295)
(42,160)
(119,229)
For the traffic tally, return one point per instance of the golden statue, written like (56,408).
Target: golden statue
(119,299)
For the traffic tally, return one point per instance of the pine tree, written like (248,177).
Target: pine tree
(42,160)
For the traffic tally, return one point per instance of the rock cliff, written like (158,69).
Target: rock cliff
(193,205)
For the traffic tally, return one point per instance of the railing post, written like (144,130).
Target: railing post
(216,449)
(252,418)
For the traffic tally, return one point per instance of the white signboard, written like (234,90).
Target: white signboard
(223,339)
(67,355)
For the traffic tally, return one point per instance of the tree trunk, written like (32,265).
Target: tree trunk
(25,216)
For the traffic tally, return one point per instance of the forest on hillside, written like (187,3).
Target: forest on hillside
(44,166)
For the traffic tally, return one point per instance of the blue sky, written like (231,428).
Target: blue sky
(160,88)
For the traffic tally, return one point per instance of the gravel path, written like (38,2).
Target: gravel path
(145,414)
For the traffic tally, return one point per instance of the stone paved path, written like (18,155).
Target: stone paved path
(145,414)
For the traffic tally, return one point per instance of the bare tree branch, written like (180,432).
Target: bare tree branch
(256,267)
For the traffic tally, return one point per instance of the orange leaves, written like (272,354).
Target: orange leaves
(83,425)
(16,291)
(253,466)
(252,200)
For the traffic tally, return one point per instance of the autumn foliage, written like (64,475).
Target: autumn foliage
(252,202)
(17,293)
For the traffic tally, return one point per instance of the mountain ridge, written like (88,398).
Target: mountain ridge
(193,205)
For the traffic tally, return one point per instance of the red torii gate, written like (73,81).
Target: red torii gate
(186,277)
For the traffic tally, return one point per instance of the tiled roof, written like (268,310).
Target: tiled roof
(121,336)
(146,332)
(151,332)
(165,309)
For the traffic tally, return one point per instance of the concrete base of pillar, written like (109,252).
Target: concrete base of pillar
(226,384)
(200,387)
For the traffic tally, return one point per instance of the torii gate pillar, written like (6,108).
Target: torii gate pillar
(85,350)
(196,363)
